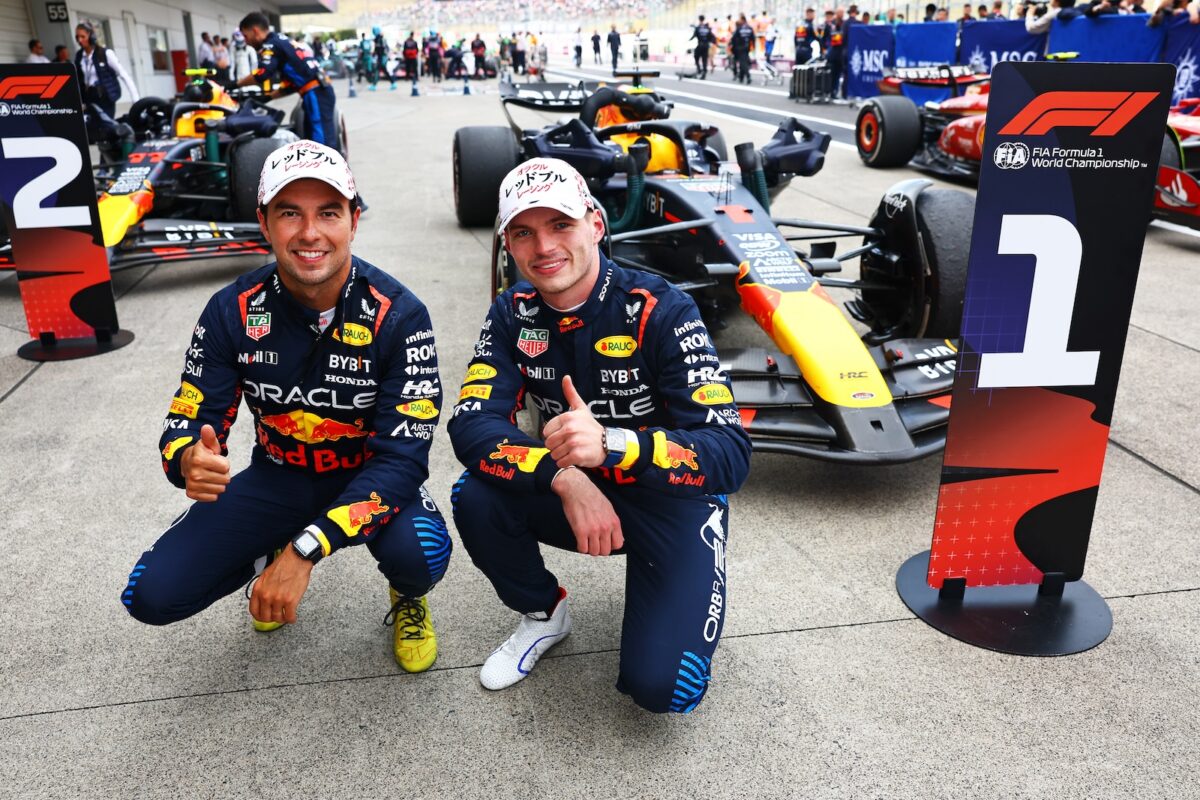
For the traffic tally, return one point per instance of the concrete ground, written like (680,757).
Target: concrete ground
(825,684)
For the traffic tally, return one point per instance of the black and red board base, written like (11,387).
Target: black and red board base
(49,348)
(1057,618)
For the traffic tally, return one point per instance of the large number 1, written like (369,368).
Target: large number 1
(27,203)
(1054,243)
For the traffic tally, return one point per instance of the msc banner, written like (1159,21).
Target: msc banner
(1183,50)
(48,203)
(1108,37)
(926,44)
(986,43)
(1066,183)
(872,48)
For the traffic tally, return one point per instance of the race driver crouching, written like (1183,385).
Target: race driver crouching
(337,364)
(642,445)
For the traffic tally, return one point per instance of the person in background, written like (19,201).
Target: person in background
(703,35)
(204,53)
(596,47)
(61,54)
(578,47)
(997,10)
(100,71)
(37,53)
(1059,9)
(614,45)
(244,59)
(220,52)
(741,44)
(479,53)
(930,12)
(805,36)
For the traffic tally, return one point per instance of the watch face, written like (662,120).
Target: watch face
(306,544)
(614,440)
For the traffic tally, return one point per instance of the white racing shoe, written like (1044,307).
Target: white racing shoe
(535,634)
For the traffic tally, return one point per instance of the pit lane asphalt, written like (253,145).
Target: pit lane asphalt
(824,684)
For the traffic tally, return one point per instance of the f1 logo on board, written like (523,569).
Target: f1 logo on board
(45,87)
(1105,112)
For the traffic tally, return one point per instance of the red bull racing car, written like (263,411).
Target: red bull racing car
(676,207)
(178,179)
(946,138)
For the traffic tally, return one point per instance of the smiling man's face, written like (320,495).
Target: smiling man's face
(309,226)
(557,253)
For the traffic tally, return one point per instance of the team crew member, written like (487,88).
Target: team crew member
(382,55)
(410,50)
(278,61)
(336,362)
(806,36)
(641,446)
(833,41)
(614,45)
(596,46)
(479,53)
(703,35)
(100,72)
(741,42)
(37,53)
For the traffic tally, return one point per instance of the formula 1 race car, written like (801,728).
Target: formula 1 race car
(1177,190)
(178,179)
(676,208)
(945,138)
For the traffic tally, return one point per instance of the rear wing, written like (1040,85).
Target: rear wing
(543,96)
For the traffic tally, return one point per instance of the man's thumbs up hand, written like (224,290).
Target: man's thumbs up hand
(575,438)
(205,470)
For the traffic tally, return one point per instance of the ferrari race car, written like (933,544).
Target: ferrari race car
(946,138)
(178,179)
(676,207)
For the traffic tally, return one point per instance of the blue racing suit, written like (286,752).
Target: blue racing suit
(278,61)
(343,416)
(638,351)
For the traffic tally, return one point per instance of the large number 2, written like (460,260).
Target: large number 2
(1054,243)
(27,204)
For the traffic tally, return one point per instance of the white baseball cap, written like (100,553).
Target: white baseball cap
(304,159)
(544,183)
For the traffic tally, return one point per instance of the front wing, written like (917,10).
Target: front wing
(783,414)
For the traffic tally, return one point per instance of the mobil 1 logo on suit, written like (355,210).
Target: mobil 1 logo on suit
(1066,185)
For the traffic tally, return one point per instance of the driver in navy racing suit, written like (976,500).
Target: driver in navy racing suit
(278,61)
(642,466)
(336,361)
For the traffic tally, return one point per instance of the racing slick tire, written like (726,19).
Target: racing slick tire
(887,131)
(483,155)
(244,170)
(296,123)
(944,218)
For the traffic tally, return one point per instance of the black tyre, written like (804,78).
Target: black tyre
(944,218)
(483,155)
(244,171)
(296,123)
(504,270)
(887,131)
(717,143)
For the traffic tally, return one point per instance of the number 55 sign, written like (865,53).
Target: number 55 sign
(1066,185)
(49,217)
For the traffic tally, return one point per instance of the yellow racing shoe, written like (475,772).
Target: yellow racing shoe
(259,566)
(413,641)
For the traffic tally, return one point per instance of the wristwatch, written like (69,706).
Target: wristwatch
(614,446)
(308,546)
